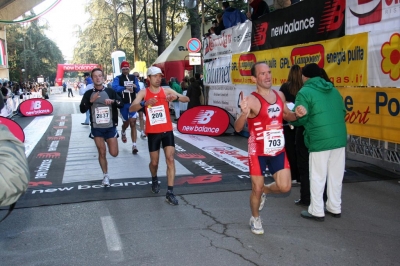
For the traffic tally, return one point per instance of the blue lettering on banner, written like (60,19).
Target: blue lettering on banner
(218,75)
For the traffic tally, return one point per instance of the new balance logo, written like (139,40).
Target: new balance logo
(36,105)
(203,117)
(48,155)
(367,11)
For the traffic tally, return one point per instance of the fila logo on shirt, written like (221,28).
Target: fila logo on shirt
(274,110)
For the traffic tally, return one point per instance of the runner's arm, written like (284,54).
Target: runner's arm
(118,101)
(139,102)
(115,85)
(176,96)
(245,111)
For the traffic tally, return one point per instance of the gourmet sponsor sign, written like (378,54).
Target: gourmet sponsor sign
(218,71)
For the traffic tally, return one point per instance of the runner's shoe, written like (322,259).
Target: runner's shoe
(256,226)
(134,149)
(263,198)
(106,181)
(142,135)
(170,198)
(123,137)
(155,187)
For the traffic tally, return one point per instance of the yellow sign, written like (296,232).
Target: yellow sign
(373,112)
(344,59)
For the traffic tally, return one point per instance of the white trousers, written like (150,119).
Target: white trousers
(177,110)
(326,167)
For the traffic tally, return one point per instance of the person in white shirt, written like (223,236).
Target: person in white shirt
(141,120)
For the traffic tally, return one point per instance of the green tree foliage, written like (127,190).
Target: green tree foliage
(143,29)
(41,55)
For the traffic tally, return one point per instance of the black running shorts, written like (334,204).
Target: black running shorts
(154,140)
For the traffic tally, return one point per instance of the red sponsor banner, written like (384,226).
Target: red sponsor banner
(35,107)
(14,128)
(246,61)
(308,54)
(205,120)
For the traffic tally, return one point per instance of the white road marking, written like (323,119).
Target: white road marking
(34,132)
(74,107)
(111,234)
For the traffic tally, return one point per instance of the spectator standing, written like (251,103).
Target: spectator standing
(185,83)
(260,7)
(290,89)
(232,16)
(141,120)
(194,93)
(87,81)
(175,86)
(70,90)
(322,113)
(220,24)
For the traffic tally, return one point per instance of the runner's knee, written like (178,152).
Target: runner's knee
(284,187)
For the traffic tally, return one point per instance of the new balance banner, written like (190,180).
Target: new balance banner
(204,120)
(307,21)
(14,128)
(35,107)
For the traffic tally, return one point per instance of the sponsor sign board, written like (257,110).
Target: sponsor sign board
(35,107)
(204,120)
(236,39)
(380,18)
(373,112)
(14,128)
(307,21)
(344,59)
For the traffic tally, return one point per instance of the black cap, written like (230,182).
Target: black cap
(86,74)
(311,70)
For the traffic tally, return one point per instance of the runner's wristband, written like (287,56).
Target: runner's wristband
(142,103)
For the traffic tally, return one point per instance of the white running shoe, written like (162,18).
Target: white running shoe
(256,226)
(106,181)
(263,198)
(142,135)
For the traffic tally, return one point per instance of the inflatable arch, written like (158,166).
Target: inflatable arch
(61,68)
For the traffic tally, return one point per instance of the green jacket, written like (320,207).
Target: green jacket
(325,127)
(176,87)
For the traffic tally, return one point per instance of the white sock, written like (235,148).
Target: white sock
(134,144)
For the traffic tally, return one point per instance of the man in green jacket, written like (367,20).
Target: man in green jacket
(176,87)
(321,111)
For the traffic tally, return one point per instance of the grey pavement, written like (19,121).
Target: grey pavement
(207,229)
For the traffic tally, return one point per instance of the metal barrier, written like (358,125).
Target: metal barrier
(56,90)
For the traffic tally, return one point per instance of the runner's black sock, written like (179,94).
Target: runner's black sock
(171,188)
(154,178)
